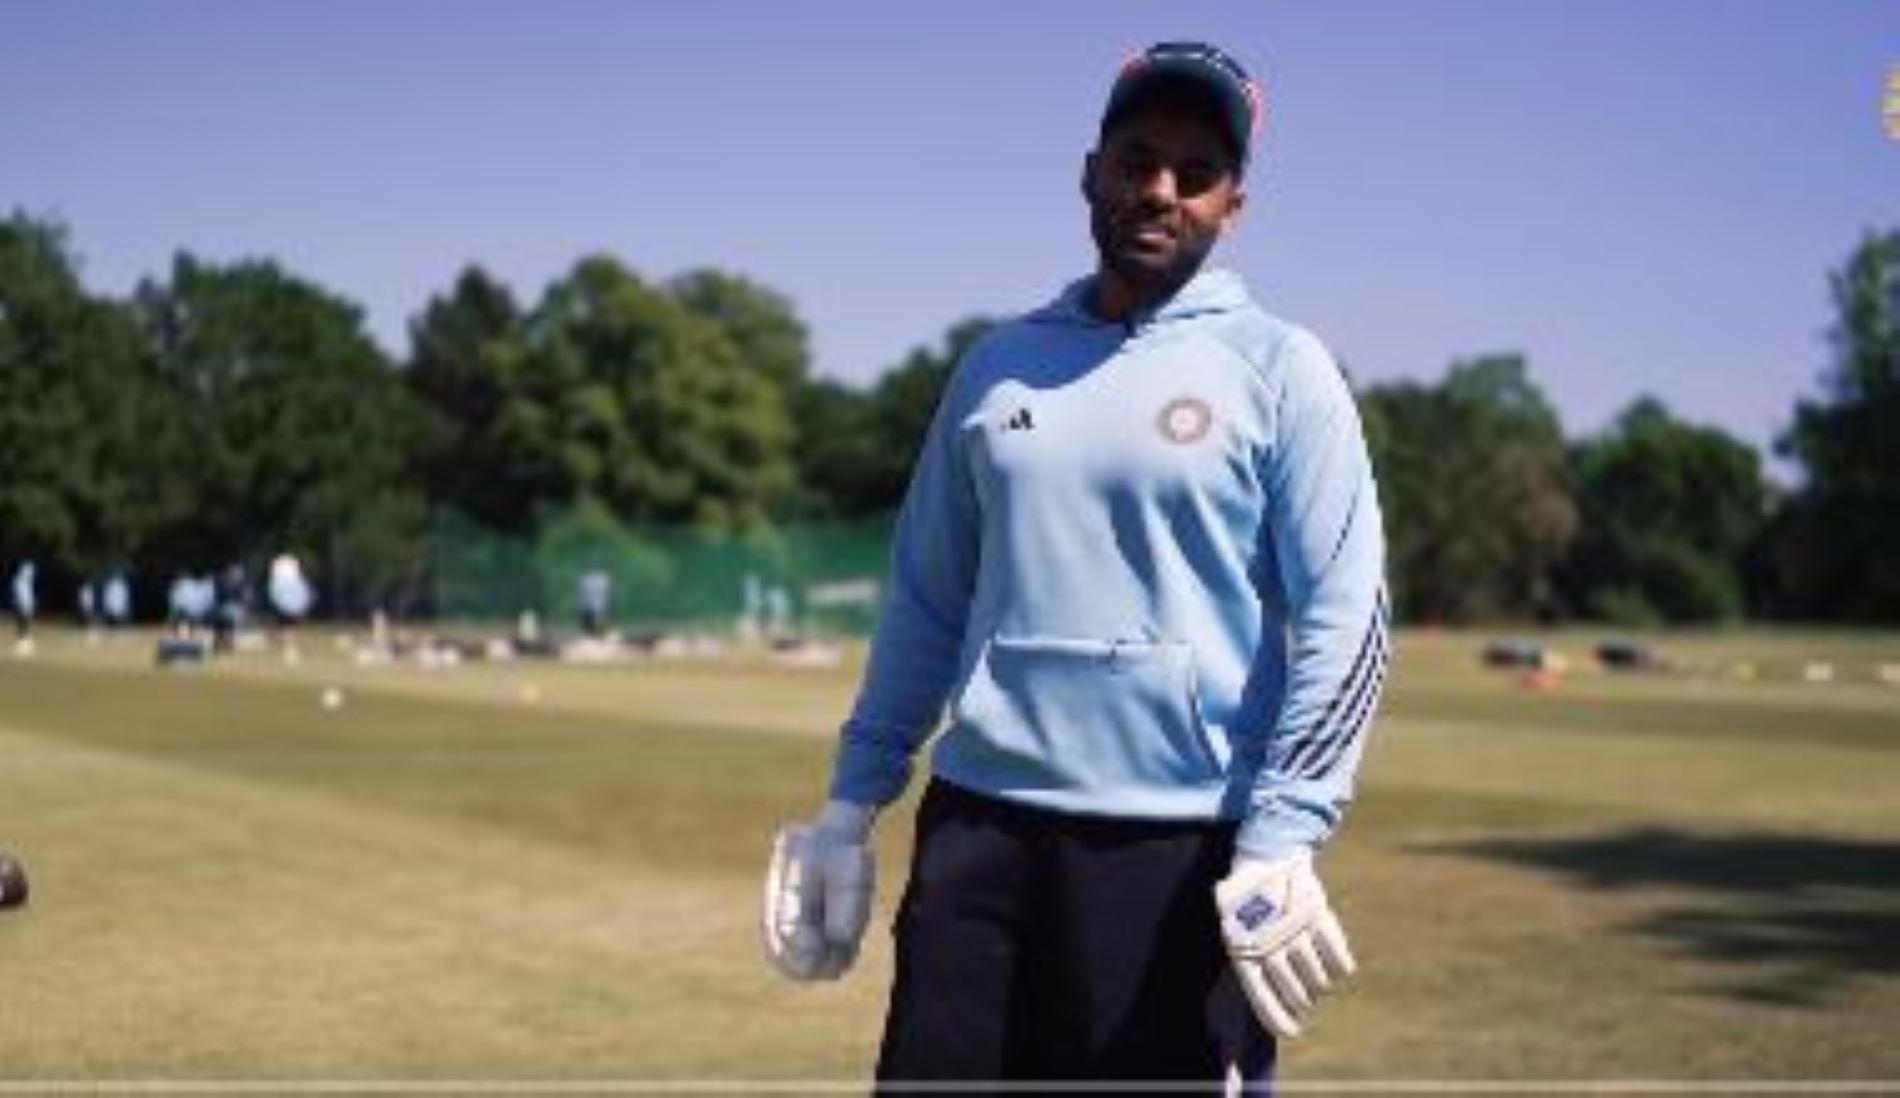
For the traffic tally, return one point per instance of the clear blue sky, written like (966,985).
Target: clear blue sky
(1645,196)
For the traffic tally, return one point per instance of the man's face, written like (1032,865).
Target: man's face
(1161,189)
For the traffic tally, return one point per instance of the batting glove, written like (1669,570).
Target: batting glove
(1286,944)
(818,893)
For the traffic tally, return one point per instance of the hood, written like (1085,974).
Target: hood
(1214,290)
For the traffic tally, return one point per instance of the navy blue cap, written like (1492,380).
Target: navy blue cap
(1237,99)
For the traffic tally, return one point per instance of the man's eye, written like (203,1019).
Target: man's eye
(1134,165)
(1196,178)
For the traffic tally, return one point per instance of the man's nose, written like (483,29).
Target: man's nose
(1159,185)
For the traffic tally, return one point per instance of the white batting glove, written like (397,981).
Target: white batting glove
(1287,946)
(818,892)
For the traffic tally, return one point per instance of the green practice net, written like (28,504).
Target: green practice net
(816,579)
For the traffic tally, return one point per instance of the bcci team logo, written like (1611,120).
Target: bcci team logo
(1890,103)
(1184,420)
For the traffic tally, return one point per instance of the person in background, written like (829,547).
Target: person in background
(231,596)
(25,606)
(290,597)
(192,600)
(115,601)
(595,596)
(87,603)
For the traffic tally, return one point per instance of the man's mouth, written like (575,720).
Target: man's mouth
(1148,234)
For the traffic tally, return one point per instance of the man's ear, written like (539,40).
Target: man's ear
(1235,203)
(1088,176)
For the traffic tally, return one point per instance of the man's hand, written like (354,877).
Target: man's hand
(818,893)
(1286,944)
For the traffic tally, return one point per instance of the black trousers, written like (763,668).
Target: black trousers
(1039,947)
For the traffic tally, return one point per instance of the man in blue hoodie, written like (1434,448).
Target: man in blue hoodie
(1141,561)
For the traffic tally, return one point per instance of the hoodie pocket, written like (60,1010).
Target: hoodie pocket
(1091,713)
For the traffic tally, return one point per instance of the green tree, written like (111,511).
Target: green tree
(468,362)
(299,430)
(83,426)
(1471,474)
(855,447)
(760,323)
(1672,510)
(838,450)
(634,400)
(772,342)
(1835,548)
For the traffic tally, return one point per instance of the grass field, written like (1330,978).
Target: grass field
(530,871)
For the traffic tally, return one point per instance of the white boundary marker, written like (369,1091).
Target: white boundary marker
(859,1086)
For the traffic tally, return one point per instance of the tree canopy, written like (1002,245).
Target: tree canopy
(229,411)
(855,447)
(1673,510)
(1837,551)
(84,427)
(293,431)
(1471,472)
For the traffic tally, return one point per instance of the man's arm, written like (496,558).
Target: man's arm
(822,874)
(916,649)
(1287,945)
(1329,544)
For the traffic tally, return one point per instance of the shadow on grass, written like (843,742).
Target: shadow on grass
(1799,916)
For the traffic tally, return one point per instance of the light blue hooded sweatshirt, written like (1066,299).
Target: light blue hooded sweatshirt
(1142,562)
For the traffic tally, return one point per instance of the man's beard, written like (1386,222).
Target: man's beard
(1151,278)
